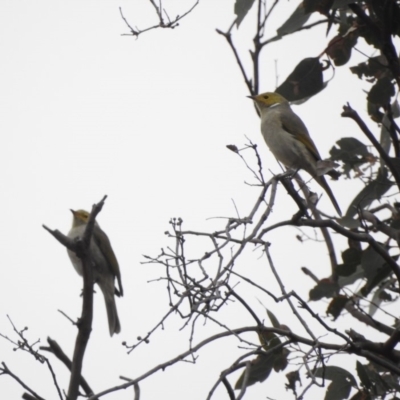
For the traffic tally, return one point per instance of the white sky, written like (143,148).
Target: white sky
(85,112)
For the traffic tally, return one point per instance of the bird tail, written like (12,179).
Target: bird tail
(112,314)
(322,181)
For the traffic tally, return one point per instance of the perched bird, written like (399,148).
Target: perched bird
(288,139)
(105,265)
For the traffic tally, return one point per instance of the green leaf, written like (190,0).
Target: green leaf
(381,274)
(373,191)
(381,92)
(379,297)
(322,6)
(374,112)
(304,81)
(371,262)
(292,377)
(351,152)
(363,375)
(378,386)
(268,340)
(343,3)
(281,361)
(260,368)
(333,372)
(274,321)
(242,7)
(362,395)
(338,390)
(351,259)
(324,288)
(340,47)
(351,256)
(348,280)
(388,15)
(294,22)
(396,163)
(375,268)
(374,67)
(342,382)
(337,305)
(385,139)
(391,381)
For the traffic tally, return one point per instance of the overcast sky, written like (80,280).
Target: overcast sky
(86,112)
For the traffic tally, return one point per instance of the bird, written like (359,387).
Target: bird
(288,139)
(105,265)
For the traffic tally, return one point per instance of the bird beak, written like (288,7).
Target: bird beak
(73,212)
(251,97)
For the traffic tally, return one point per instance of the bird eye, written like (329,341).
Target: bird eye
(265,97)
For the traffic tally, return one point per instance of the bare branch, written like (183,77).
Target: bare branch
(7,371)
(162,17)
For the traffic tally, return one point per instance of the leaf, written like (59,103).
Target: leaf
(373,191)
(379,297)
(304,81)
(348,280)
(233,148)
(292,377)
(363,375)
(374,112)
(294,22)
(274,321)
(350,270)
(375,269)
(385,138)
(388,14)
(338,390)
(268,340)
(342,382)
(381,92)
(395,106)
(362,395)
(351,152)
(337,305)
(392,382)
(381,274)
(374,67)
(260,368)
(378,386)
(324,288)
(343,3)
(335,373)
(281,360)
(351,258)
(371,262)
(340,47)
(322,6)
(396,163)
(242,7)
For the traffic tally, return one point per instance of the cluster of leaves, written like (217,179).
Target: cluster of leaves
(373,20)
(274,358)
(372,267)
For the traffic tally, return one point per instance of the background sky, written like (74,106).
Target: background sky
(86,112)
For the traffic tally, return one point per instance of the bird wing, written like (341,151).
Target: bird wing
(292,124)
(102,241)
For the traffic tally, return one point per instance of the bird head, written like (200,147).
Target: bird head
(267,100)
(80,217)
